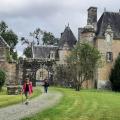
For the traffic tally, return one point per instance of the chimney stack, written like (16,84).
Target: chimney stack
(92,17)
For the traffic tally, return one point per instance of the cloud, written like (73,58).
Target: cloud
(23,16)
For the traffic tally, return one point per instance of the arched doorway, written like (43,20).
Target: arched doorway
(41,74)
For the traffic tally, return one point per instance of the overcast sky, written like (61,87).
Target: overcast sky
(23,16)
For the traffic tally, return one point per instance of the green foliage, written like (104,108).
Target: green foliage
(8,56)
(3,27)
(63,76)
(83,62)
(14,55)
(9,36)
(28,52)
(2,78)
(37,34)
(49,39)
(115,75)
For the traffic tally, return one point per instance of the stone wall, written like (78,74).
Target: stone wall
(10,69)
(104,71)
(63,56)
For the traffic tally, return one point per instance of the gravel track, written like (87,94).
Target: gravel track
(38,104)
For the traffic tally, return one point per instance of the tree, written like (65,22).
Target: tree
(28,52)
(9,36)
(2,78)
(14,55)
(83,61)
(37,35)
(49,39)
(61,75)
(36,38)
(115,75)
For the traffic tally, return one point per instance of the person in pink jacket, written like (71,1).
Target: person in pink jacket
(27,89)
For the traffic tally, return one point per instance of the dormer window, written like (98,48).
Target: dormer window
(109,56)
(108,34)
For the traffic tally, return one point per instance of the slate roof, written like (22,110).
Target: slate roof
(67,37)
(109,18)
(43,51)
(3,43)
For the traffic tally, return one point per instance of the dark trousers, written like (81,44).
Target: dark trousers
(26,94)
(45,89)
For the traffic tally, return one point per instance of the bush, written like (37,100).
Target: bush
(115,75)
(2,78)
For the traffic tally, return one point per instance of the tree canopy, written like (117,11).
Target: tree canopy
(83,61)
(49,39)
(9,36)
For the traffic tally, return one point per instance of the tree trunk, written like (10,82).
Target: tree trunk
(0,89)
(77,87)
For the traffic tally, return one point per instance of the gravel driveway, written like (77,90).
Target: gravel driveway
(16,112)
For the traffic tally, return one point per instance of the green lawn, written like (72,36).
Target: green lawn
(83,105)
(6,100)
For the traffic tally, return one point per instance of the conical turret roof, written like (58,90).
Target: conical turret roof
(67,37)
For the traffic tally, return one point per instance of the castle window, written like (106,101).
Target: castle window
(109,56)
(109,34)
(41,73)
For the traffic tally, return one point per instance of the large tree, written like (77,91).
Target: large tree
(38,36)
(49,39)
(28,50)
(62,75)
(9,36)
(83,61)
(115,75)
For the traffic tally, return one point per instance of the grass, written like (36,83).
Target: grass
(6,100)
(83,105)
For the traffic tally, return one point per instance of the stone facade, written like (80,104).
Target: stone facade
(104,35)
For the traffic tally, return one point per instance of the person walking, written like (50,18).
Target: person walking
(46,85)
(27,89)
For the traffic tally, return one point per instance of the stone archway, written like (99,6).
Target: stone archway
(41,74)
(36,69)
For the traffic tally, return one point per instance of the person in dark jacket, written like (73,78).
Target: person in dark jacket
(46,85)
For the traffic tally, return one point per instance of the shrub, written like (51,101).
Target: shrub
(115,75)
(2,78)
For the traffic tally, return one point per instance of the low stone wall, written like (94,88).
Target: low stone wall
(12,90)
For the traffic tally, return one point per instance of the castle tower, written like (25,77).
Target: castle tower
(67,42)
(92,17)
(87,34)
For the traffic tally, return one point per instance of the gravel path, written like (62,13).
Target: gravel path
(16,112)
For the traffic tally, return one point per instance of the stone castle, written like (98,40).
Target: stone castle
(104,34)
